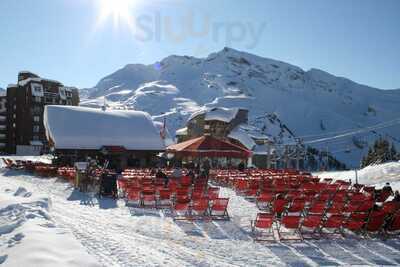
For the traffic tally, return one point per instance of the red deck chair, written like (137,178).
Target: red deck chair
(292,227)
(213,193)
(366,206)
(393,227)
(353,225)
(383,196)
(336,208)
(317,207)
(181,211)
(390,207)
(198,194)
(264,200)
(241,186)
(200,208)
(219,209)
(133,197)
(185,181)
(251,193)
(296,207)
(262,229)
(324,196)
(164,198)
(279,206)
(149,200)
(333,224)
(375,222)
(311,226)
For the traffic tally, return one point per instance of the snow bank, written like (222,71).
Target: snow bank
(29,237)
(372,175)
(86,128)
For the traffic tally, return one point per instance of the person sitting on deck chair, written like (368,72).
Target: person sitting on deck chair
(396,196)
(387,189)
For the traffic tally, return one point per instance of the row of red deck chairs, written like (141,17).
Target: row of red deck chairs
(309,206)
(39,168)
(316,223)
(186,201)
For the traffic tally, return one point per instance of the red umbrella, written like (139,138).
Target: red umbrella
(207,146)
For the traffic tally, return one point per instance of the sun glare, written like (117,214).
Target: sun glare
(120,11)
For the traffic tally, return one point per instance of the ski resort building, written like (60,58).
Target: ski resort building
(124,138)
(217,122)
(230,125)
(3,121)
(25,105)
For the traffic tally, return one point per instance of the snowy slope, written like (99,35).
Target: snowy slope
(308,102)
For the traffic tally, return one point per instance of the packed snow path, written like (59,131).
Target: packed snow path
(116,235)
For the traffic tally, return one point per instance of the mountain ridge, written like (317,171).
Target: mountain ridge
(309,102)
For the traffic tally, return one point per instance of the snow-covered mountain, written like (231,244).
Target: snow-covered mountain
(312,104)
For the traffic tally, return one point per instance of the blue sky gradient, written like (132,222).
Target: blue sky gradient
(63,39)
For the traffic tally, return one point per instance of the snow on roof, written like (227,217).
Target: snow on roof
(240,135)
(182,131)
(71,127)
(197,113)
(26,81)
(11,85)
(221,114)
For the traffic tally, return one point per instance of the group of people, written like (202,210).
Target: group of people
(194,171)
(387,190)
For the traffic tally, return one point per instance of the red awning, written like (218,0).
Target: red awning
(207,146)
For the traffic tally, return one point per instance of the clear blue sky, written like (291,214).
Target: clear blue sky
(66,39)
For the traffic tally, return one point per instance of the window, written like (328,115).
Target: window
(36,128)
(37,110)
(207,127)
(36,118)
(35,138)
(37,88)
(14,125)
(38,99)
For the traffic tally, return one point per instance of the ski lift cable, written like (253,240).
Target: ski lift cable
(361,130)
(348,130)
